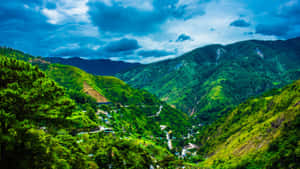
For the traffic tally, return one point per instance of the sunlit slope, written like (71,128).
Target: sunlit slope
(40,124)
(140,103)
(137,109)
(260,133)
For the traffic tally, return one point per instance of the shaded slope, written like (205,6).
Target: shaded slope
(211,80)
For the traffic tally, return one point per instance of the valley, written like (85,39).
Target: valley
(210,81)
(226,113)
(150,84)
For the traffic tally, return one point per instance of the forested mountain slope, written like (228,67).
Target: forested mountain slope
(211,80)
(139,107)
(133,112)
(40,128)
(263,132)
(33,108)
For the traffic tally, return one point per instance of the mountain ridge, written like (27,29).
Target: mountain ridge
(95,66)
(210,80)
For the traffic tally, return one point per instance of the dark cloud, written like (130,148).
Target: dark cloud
(154,53)
(123,20)
(23,26)
(26,18)
(240,23)
(276,30)
(116,18)
(282,22)
(123,45)
(290,11)
(183,37)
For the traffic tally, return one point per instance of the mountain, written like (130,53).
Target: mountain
(137,106)
(263,132)
(95,66)
(209,81)
(131,112)
(59,116)
(41,126)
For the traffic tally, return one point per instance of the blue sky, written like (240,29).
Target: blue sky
(140,30)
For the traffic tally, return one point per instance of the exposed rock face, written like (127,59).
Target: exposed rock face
(259,53)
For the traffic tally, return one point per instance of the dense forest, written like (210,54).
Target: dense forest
(42,127)
(150,84)
(59,116)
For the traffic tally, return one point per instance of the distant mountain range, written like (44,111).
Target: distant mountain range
(209,81)
(97,66)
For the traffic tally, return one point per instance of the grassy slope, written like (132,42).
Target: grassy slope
(211,80)
(260,133)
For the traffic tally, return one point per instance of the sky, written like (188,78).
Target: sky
(142,31)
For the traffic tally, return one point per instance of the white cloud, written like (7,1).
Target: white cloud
(54,16)
(68,11)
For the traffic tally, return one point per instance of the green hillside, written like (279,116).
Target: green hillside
(211,80)
(59,116)
(259,133)
(40,128)
(9,52)
(133,112)
(137,105)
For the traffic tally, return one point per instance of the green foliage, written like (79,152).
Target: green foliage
(261,133)
(25,91)
(82,98)
(209,81)
(135,109)
(42,127)
(139,106)
(9,52)
(29,104)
